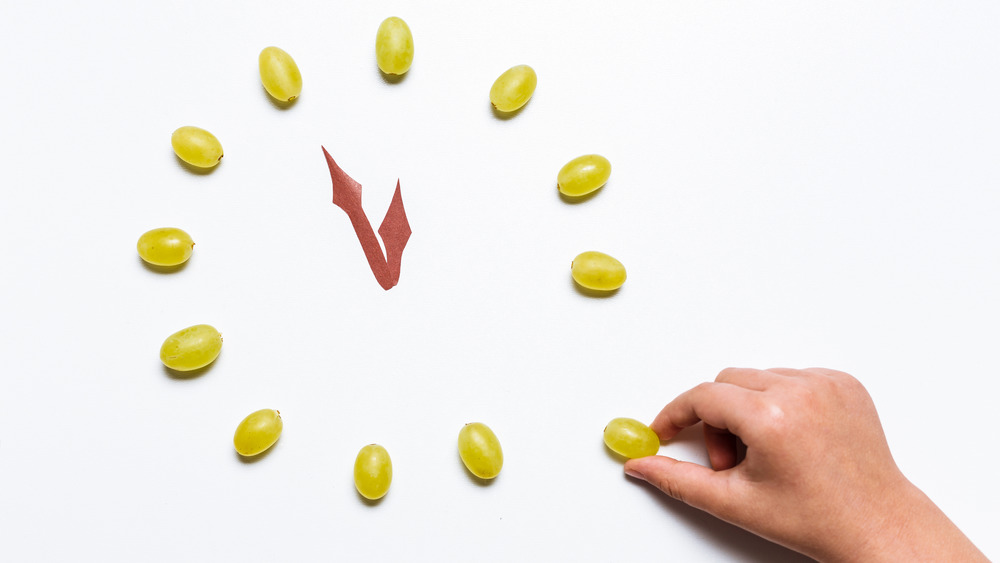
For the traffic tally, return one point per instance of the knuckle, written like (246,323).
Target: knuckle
(726,374)
(703,387)
(771,418)
(732,373)
(774,416)
(850,382)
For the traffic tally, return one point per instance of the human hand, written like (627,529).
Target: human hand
(799,457)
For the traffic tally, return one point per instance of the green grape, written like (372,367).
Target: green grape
(480,450)
(630,438)
(514,88)
(192,348)
(394,46)
(583,175)
(258,431)
(166,246)
(373,472)
(196,146)
(279,74)
(598,271)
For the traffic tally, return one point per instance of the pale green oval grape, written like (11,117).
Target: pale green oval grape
(513,88)
(258,431)
(394,46)
(480,450)
(196,146)
(192,348)
(630,438)
(583,175)
(166,246)
(279,74)
(598,271)
(373,472)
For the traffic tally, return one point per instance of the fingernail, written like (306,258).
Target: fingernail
(633,473)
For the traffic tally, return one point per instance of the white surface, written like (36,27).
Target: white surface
(795,183)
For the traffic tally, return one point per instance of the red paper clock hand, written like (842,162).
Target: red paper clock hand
(395,230)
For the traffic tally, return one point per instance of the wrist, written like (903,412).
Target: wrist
(908,526)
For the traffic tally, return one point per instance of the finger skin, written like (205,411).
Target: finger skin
(755,379)
(800,458)
(722,448)
(690,483)
(828,372)
(721,405)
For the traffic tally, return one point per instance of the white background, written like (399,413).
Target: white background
(795,184)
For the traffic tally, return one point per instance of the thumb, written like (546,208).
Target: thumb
(690,483)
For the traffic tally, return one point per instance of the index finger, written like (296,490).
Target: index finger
(722,405)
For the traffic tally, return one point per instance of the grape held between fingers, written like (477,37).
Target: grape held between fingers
(630,438)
